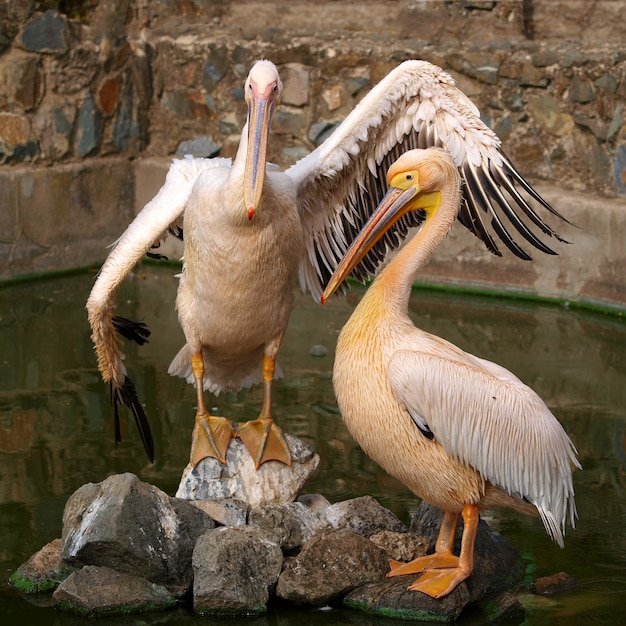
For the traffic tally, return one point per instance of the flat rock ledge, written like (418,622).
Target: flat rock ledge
(127,547)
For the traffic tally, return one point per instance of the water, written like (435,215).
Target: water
(56,427)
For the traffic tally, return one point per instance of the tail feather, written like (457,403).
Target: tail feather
(127,395)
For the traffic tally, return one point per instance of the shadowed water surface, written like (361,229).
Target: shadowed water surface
(56,427)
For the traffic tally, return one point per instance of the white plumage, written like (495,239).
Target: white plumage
(330,193)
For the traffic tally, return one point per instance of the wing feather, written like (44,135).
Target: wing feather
(485,417)
(152,224)
(163,214)
(415,106)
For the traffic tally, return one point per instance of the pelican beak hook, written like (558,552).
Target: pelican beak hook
(394,205)
(260,110)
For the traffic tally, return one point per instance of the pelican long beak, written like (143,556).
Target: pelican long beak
(394,205)
(260,111)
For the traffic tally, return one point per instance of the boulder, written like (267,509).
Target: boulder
(238,478)
(103,591)
(497,567)
(134,528)
(43,572)
(363,515)
(235,571)
(290,524)
(331,564)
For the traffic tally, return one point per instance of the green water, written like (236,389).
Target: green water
(56,427)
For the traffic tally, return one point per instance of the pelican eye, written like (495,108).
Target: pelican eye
(408,177)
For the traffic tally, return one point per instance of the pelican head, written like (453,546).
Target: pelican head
(262,91)
(415,180)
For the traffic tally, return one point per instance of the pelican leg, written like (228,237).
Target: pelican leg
(211,434)
(265,441)
(442,557)
(440,582)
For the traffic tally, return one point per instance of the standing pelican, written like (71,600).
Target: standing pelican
(460,432)
(248,233)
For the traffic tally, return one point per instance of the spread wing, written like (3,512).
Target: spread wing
(415,106)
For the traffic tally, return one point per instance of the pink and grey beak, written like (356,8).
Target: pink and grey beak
(260,110)
(392,207)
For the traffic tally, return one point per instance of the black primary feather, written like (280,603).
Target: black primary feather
(156,256)
(131,330)
(127,395)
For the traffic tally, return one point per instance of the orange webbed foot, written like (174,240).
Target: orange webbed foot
(211,436)
(265,441)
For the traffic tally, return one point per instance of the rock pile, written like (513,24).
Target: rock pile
(126,547)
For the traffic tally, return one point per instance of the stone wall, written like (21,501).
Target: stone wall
(134,81)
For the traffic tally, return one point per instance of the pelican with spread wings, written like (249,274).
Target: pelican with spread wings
(249,231)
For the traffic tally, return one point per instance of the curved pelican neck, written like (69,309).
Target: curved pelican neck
(397,278)
(239,162)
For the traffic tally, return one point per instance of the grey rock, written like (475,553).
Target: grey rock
(199,147)
(273,482)
(391,598)
(401,546)
(227,512)
(483,66)
(321,131)
(355,84)
(503,608)
(330,565)
(133,527)
(607,81)
(288,121)
(235,571)
(619,170)
(102,591)
(89,128)
(497,567)
(127,129)
(53,123)
(296,79)
(177,102)
(46,33)
(543,58)
(290,524)
(294,153)
(582,90)
(315,501)
(616,124)
(43,572)
(215,68)
(572,57)
(364,515)
(547,111)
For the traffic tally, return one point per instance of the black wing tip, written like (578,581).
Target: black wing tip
(127,395)
(156,257)
(131,329)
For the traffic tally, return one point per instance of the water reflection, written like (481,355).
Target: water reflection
(56,424)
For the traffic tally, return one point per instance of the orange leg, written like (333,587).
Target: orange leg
(211,434)
(442,557)
(265,441)
(443,571)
